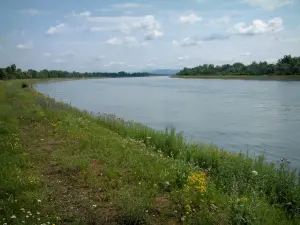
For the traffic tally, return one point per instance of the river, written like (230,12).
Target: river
(262,117)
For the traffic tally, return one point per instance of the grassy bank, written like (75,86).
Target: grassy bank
(243,77)
(60,165)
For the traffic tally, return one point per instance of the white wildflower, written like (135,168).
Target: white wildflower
(94,206)
(167,183)
(38,213)
(39,200)
(255,173)
(22,209)
(13,217)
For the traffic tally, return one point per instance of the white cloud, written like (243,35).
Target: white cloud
(190,19)
(259,27)
(246,54)
(55,29)
(27,45)
(101,28)
(268,4)
(47,54)
(148,25)
(30,11)
(133,42)
(154,34)
(114,41)
(83,14)
(114,63)
(186,57)
(126,5)
(188,42)
(115,19)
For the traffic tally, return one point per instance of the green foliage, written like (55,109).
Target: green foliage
(11,72)
(232,173)
(288,65)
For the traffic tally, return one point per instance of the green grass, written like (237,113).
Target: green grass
(66,166)
(243,77)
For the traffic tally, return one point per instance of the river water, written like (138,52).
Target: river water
(262,117)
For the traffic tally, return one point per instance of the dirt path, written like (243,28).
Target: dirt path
(65,189)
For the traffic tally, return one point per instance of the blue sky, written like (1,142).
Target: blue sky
(114,35)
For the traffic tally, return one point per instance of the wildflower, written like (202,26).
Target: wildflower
(39,200)
(13,217)
(188,208)
(94,206)
(167,183)
(38,219)
(146,211)
(4,223)
(53,124)
(22,209)
(57,218)
(183,218)
(197,181)
(255,173)
(140,183)
(38,213)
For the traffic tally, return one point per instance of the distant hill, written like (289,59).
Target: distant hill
(167,72)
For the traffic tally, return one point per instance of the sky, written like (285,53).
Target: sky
(116,35)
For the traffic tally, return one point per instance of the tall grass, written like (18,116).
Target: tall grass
(232,173)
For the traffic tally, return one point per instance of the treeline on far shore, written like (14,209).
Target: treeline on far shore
(287,65)
(12,72)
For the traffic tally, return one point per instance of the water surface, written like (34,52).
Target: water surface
(262,117)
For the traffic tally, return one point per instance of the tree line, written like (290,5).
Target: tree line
(287,65)
(12,72)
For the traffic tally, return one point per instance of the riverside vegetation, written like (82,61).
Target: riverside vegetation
(60,165)
(287,67)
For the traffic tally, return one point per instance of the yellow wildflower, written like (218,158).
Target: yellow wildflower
(197,181)
(140,183)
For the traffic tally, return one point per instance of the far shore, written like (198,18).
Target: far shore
(243,77)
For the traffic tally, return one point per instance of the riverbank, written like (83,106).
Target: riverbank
(64,166)
(229,77)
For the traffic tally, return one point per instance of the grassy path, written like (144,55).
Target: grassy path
(62,166)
